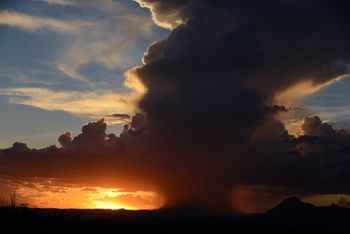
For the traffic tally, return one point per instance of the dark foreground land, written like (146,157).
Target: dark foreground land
(291,216)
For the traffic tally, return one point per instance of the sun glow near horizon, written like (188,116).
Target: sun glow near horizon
(52,193)
(111,206)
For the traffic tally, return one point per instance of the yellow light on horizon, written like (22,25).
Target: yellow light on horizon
(67,196)
(111,206)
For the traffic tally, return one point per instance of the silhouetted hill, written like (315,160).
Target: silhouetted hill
(290,216)
(293,214)
(292,206)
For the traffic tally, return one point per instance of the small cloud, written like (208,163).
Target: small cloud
(117,119)
(33,23)
(89,189)
(313,126)
(59,2)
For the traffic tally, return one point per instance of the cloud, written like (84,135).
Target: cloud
(32,23)
(53,192)
(59,2)
(117,118)
(313,126)
(276,159)
(216,76)
(132,201)
(91,104)
(65,140)
(28,76)
(105,41)
(166,14)
(94,135)
(91,154)
(293,95)
(209,124)
(75,102)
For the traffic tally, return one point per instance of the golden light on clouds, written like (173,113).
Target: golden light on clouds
(75,102)
(292,97)
(33,23)
(80,102)
(132,82)
(294,94)
(169,21)
(292,120)
(105,41)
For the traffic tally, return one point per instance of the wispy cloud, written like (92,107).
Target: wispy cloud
(28,76)
(105,40)
(294,94)
(76,102)
(81,103)
(117,119)
(59,2)
(33,23)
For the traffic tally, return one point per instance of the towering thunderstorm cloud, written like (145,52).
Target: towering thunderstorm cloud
(212,82)
(208,125)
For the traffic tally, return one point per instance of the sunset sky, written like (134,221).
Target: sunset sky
(219,85)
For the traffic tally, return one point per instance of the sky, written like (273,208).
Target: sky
(41,63)
(62,64)
(228,105)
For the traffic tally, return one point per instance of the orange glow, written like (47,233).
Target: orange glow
(51,193)
(242,202)
(293,120)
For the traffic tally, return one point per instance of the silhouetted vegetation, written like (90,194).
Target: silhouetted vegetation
(10,201)
(291,216)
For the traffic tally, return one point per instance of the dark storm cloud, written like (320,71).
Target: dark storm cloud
(212,81)
(92,158)
(209,123)
(94,136)
(230,58)
(314,127)
(317,162)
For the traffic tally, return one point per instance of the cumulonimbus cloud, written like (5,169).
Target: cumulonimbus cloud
(217,74)
(210,122)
